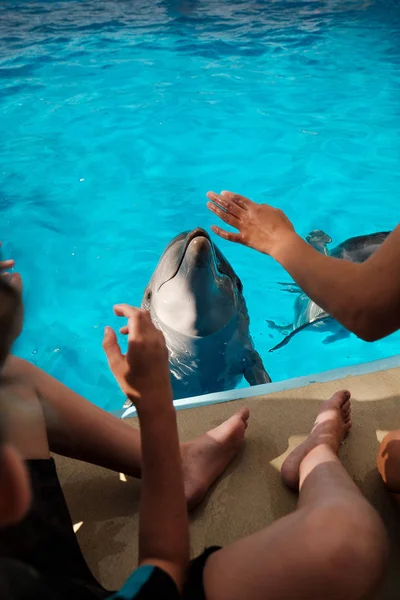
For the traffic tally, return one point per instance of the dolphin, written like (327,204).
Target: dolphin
(308,313)
(195,298)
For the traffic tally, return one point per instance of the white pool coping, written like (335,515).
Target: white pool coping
(375,366)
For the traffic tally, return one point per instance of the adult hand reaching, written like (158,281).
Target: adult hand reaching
(363,297)
(260,226)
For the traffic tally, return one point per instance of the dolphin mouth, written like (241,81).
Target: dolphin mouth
(196,233)
(199,293)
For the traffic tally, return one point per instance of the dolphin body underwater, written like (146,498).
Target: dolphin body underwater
(195,298)
(306,312)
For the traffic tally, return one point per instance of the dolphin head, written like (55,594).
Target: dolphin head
(194,290)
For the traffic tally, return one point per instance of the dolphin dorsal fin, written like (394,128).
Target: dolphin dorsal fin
(318,239)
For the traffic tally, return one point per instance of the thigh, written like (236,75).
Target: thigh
(304,556)
(262,566)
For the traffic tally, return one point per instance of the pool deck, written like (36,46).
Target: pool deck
(250,495)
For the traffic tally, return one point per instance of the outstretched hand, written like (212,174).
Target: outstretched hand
(259,226)
(143,372)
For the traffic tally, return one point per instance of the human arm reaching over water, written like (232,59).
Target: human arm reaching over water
(364,298)
(143,375)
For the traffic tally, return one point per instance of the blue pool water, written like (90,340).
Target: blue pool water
(116,117)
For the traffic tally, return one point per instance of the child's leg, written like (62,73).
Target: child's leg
(78,429)
(333,546)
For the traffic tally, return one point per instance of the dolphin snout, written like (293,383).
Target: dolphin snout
(198,232)
(199,251)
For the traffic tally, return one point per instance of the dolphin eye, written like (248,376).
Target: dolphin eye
(148,295)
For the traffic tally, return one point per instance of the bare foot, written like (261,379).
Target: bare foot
(206,458)
(330,428)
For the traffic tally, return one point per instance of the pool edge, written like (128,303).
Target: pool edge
(385,364)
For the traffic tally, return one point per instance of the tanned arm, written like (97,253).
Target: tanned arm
(364,298)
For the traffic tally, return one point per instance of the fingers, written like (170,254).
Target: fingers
(126,310)
(225,216)
(137,315)
(143,314)
(227,235)
(241,202)
(225,204)
(112,349)
(139,326)
(13,280)
(16,281)
(125,330)
(6,264)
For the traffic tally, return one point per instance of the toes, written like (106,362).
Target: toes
(341,398)
(346,410)
(244,414)
(232,428)
(340,401)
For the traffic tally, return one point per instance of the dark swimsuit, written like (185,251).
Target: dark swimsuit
(40,557)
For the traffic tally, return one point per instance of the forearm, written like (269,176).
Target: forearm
(362,297)
(330,283)
(99,438)
(77,428)
(164,530)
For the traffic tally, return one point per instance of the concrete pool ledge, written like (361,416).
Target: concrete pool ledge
(279,386)
(250,495)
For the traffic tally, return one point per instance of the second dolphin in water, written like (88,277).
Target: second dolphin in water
(308,313)
(196,299)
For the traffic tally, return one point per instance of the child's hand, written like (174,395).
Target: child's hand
(13,279)
(6,264)
(143,372)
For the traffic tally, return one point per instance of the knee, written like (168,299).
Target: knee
(351,548)
(388,461)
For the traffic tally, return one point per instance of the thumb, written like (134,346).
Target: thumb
(111,348)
